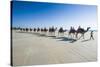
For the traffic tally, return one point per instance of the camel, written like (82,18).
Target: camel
(49,30)
(61,31)
(45,29)
(82,32)
(21,29)
(41,29)
(38,29)
(26,29)
(52,30)
(30,29)
(34,29)
(72,31)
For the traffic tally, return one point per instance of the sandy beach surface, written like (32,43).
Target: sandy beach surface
(37,49)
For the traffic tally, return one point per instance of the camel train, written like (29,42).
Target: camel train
(51,31)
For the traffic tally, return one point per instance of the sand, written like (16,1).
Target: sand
(37,49)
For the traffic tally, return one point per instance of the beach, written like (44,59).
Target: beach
(31,48)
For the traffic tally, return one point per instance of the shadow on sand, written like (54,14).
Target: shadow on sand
(38,34)
(71,40)
(85,40)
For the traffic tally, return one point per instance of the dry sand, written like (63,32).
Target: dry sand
(36,49)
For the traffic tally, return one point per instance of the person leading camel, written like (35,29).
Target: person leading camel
(91,35)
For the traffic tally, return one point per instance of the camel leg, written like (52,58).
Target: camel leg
(83,36)
(49,33)
(69,35)
(80,36)
(63,33)
(73,35)
(76,35)
(53,33)
(44,33)
(58,33)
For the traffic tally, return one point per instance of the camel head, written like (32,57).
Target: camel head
(88,28)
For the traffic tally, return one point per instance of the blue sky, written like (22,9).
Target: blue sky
(39,14)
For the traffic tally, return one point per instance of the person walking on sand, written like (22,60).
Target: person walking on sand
(91,35)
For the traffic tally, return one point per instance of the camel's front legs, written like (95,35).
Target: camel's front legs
(58,33)
(82,36)
(53,33)
(69,35)
(63,33)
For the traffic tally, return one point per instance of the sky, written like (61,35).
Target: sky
(42,14)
